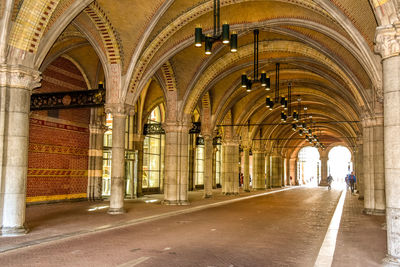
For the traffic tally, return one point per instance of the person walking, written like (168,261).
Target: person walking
(330,180)
(352,181)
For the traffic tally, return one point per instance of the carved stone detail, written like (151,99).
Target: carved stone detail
(19,77)
(119,109)
(387,40)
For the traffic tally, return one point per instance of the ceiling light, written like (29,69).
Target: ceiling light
(223,36)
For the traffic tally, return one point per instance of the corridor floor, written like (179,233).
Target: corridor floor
(285,228)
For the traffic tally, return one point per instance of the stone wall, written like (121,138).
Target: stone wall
(58,141)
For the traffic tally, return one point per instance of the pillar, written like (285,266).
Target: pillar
(16,83)
(138,142)
(208,165)
(387,44)
(258,170)
(359,169)
(267,170)
(324,170)
(373,164)
(117,159)
(246,169)
(276,167)
(176,163)
(292,170)
(95,172)
(230,167)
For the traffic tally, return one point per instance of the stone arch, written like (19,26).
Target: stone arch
(37,14)
(107,32)
(288,46)
(58,26)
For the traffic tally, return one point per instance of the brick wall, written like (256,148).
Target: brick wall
(58,141)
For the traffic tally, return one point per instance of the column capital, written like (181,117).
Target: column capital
(118,109)
(19,77)
(387,39)
(176,126)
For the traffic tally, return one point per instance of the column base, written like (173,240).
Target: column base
(258,189)
(207,196)
(230,194)
(390,261)
(246,190)
(374,212)
(175,202)
(116,211)
(13,231)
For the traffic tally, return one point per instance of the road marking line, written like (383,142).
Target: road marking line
(134,262)
(327,250)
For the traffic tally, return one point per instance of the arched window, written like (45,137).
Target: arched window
(153,157)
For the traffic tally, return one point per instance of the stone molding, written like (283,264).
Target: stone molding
(119,109)
(174,127)
(372,121)
(387,39)
(19,77)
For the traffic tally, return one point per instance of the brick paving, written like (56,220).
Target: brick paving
(282,229)
(361,239)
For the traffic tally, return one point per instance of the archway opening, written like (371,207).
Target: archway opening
(308,167)
(339,165)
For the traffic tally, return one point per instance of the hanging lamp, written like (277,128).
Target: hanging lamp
(223,36)
(263,79)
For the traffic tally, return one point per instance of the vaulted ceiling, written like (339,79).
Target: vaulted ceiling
(325,49)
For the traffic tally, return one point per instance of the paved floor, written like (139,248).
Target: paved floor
(281,229)
(361,239)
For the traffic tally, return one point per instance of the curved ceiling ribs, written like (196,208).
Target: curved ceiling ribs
(325,50)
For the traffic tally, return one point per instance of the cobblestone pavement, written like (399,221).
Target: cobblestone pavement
(361,238)
(282,229)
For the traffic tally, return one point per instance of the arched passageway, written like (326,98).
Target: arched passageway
(339,165)
(308,167)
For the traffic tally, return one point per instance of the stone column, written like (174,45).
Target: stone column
(138,142)
(214,160)
(388,45)
(292,170)
(16,83)
(176,163)
(117,159)
(246,169)
(230,167)
(379,166)
(208,165)
(267,170)
(359,169)
(95,172)
(258,170)
(276,167)
(324,170)
(374,182)
(367,166)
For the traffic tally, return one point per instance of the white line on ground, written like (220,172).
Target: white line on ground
(134,262)
(327,250)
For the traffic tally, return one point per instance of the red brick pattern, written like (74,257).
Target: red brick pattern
(58,152)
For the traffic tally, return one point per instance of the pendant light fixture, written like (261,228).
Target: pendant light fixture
(263,80)
(269,102)
(225,36)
